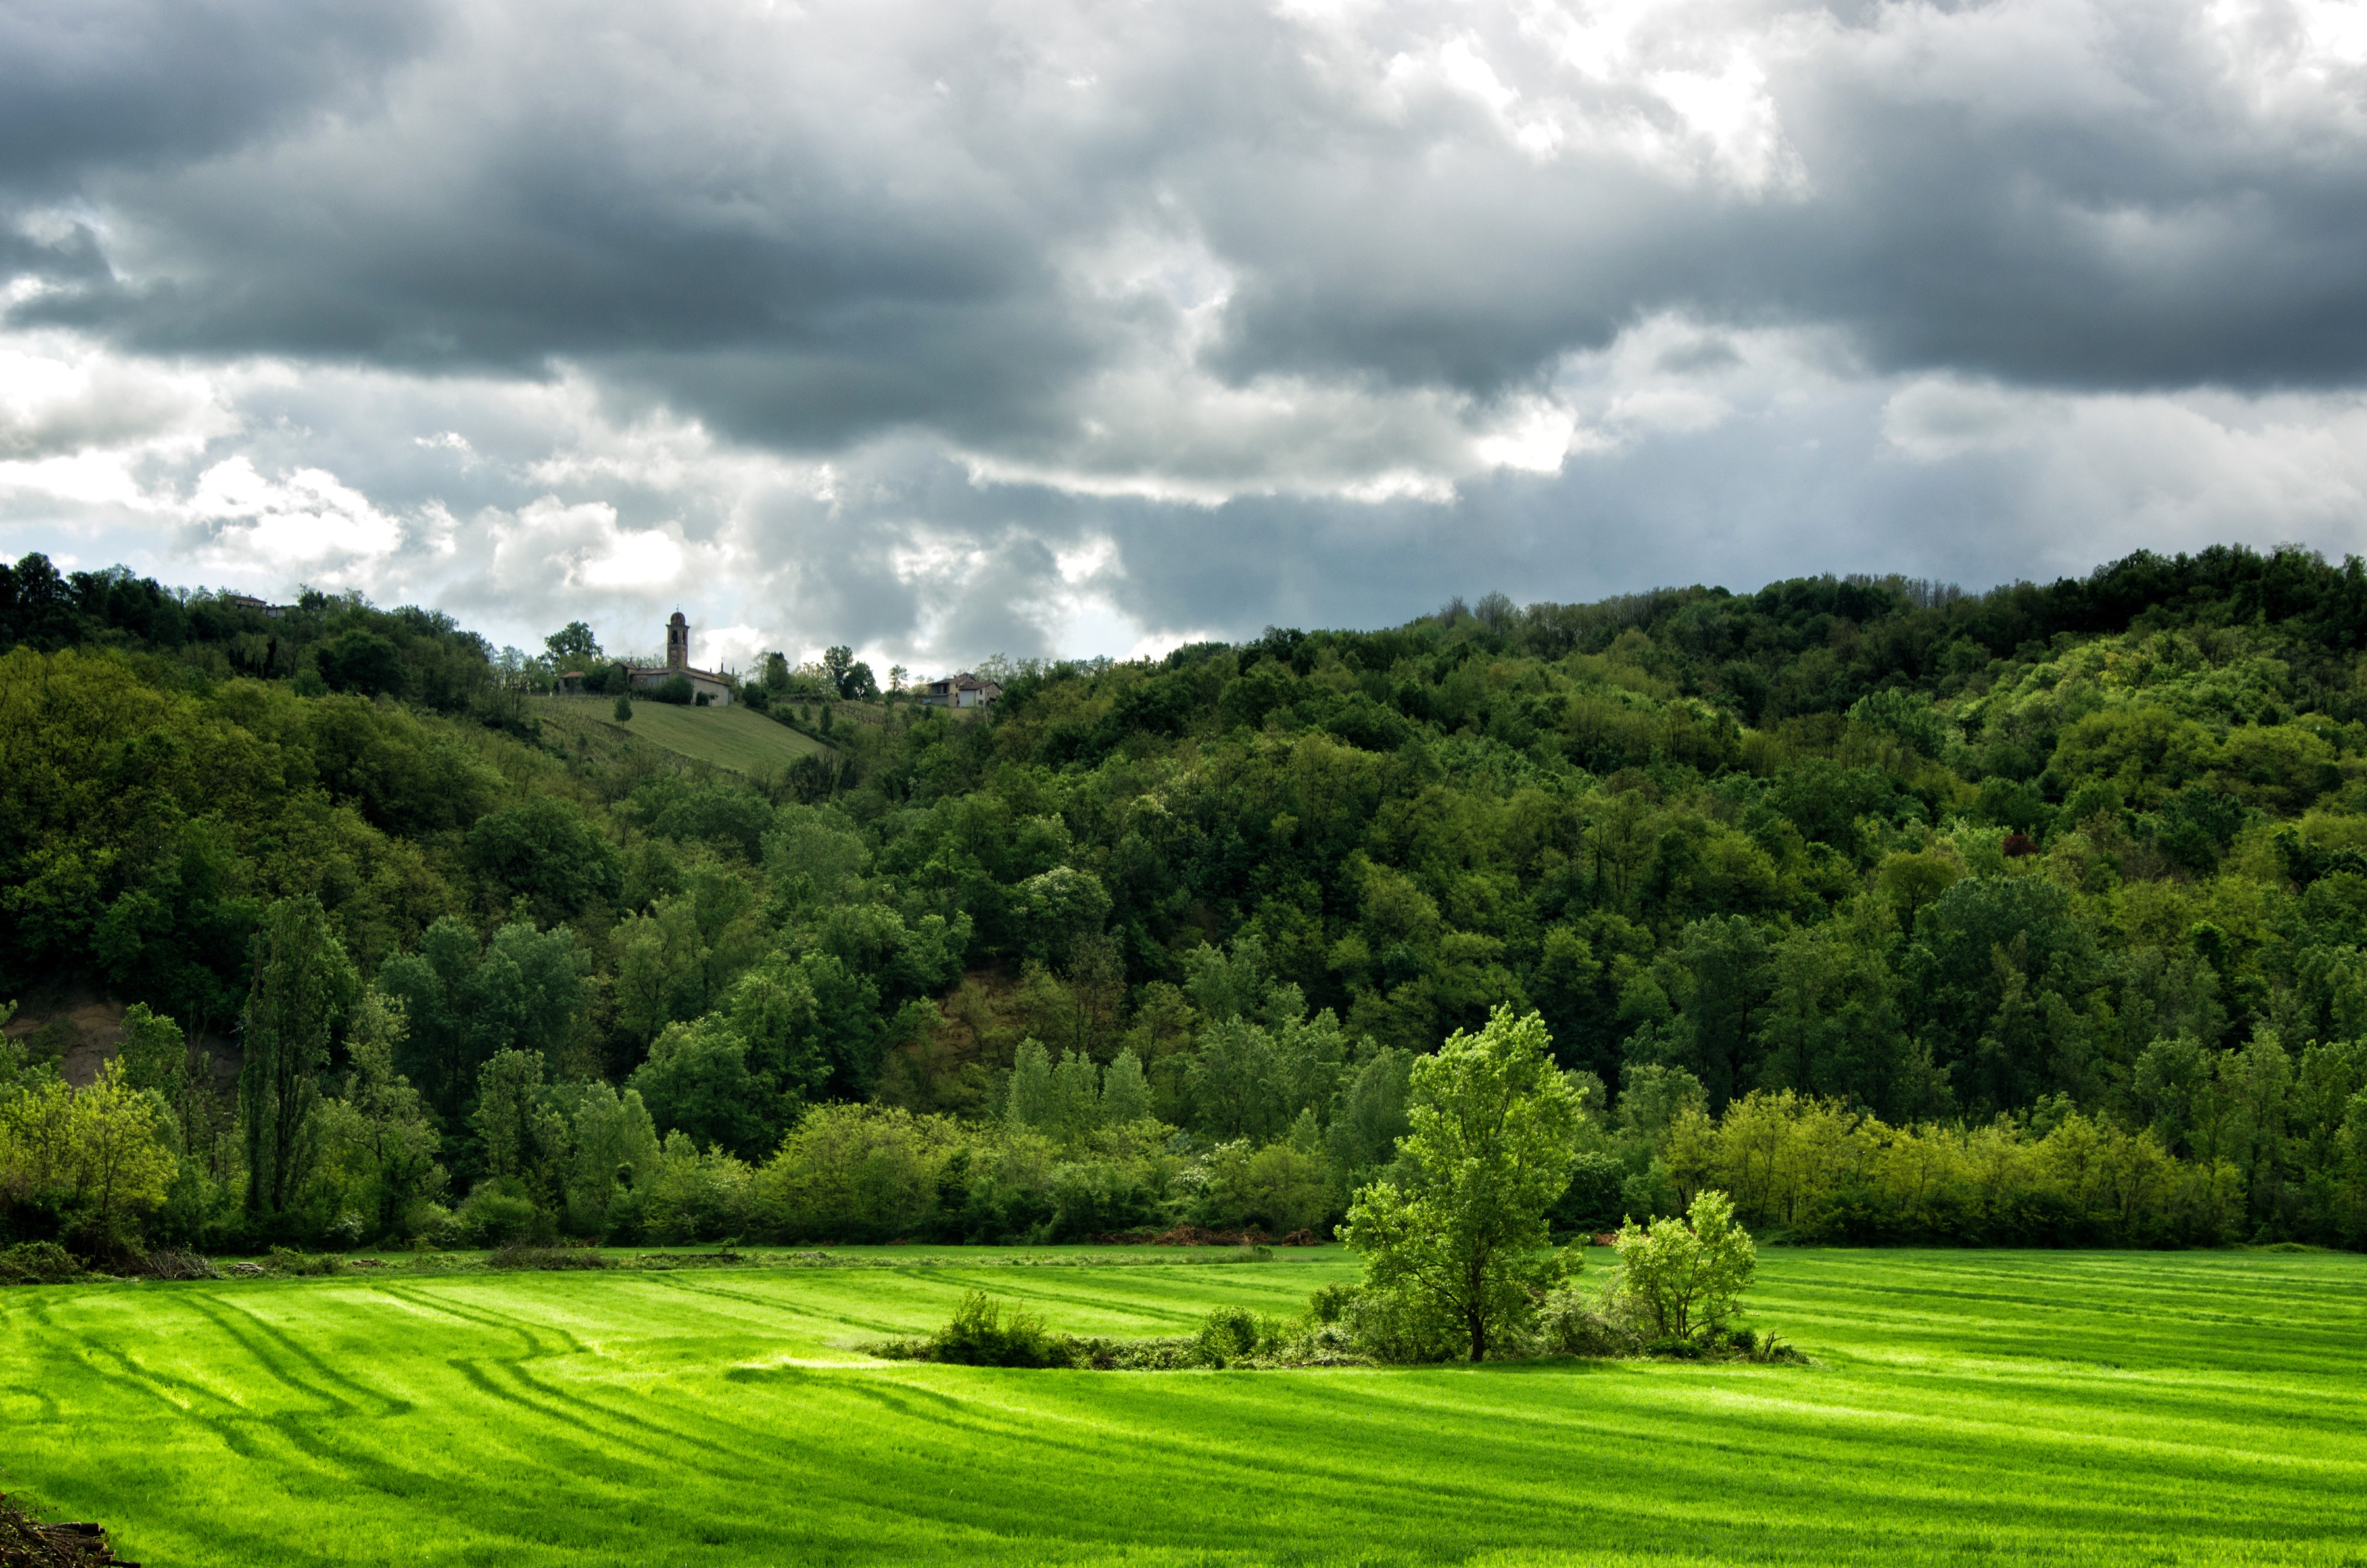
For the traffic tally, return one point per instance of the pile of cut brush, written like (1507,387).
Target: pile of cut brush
(26,1542)
(1201,1235)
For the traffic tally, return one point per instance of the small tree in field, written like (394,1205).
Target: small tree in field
(1492,1123)
(624,708)
(1684,1278)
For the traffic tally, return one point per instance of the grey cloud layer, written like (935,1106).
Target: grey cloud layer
(966,327)
(811,223)
(87,85)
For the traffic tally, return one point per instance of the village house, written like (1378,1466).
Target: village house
(963,690)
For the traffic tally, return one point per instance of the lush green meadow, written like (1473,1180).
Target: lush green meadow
(730,738)
(1962,1406)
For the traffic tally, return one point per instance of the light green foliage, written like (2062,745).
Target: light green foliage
(695,1193)
(1260,1062)
(1816,1169)
(154,1053)
(1076,1096)
(1059,906)
(813,857)
(1493,1130)
(94,1158)
(854,1172)
(1028,1101)
(1372,1114)
(1126,1092)
(1279,1189)
(2058,1407)
(1683,1279)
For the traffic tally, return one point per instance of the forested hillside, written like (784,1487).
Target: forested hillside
(1899,913)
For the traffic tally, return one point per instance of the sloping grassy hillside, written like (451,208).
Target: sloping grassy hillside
(730,738)
(2023,1407)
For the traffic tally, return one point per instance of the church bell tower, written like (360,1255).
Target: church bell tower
(677,643)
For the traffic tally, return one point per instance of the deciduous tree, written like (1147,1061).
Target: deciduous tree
(1493,1131)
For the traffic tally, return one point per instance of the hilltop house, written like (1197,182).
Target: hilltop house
(963,690)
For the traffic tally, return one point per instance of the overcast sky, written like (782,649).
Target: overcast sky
(951,329)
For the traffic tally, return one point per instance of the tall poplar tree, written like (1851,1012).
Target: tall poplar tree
(303,986)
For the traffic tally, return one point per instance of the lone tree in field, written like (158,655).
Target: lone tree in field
(304,985)
(1492,1124)
(1684,1278)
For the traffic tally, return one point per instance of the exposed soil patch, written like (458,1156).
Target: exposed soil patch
(27,1542)
(82,1031)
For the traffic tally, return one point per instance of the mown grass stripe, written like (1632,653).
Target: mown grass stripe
(1963,1407)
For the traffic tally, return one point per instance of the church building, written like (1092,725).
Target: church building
(705,685)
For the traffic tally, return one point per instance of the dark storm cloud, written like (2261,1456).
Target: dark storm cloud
(808,229)
(86,83)
(2135,221)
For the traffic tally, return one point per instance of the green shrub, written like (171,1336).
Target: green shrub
(1569,1324)
(526,1255)
(1681,1281)
(1330,1302)
(428,1223)
(1229,1334)
(978,1334)
(863,1173)
(1399,1329)
(38,1263)
(286,1260)
(493,1218)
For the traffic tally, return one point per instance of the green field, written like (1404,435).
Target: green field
(731,738)
(1962,1408)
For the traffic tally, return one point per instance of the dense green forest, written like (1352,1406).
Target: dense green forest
(1899,913)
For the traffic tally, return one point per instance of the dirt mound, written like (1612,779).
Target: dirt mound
(26,1542)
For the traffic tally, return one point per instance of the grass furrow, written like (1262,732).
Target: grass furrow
(1995,1408)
